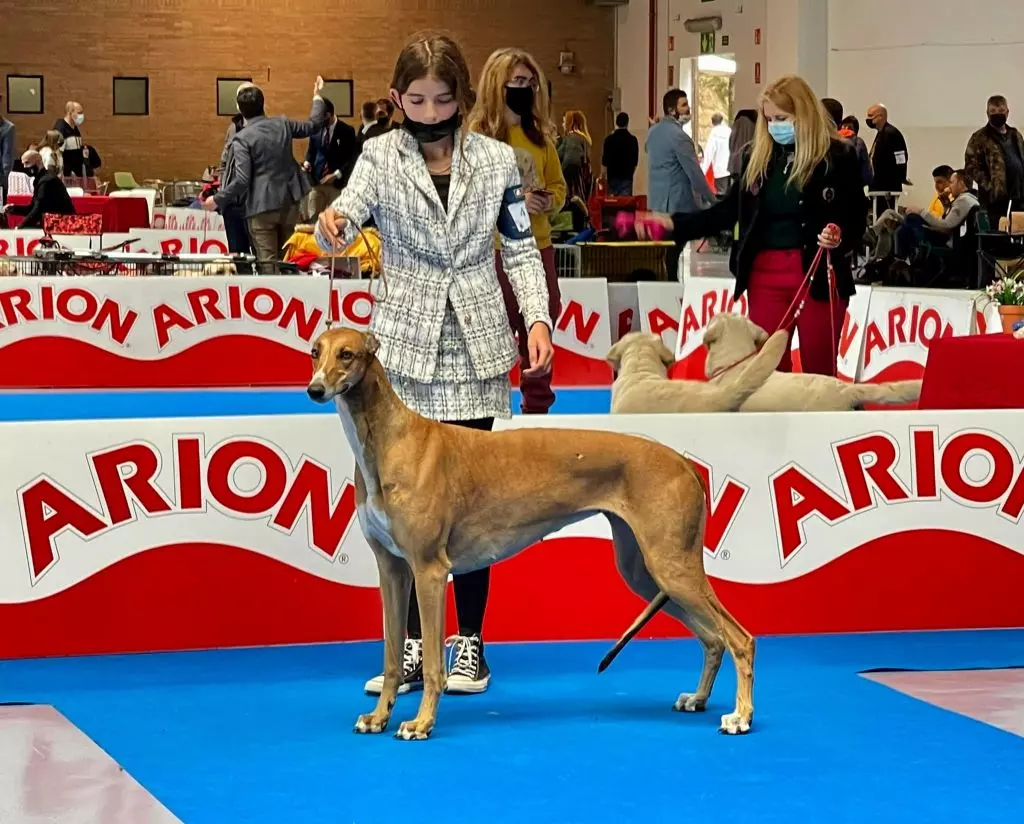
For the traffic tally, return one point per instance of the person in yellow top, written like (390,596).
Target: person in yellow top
(512,106)
(942,175)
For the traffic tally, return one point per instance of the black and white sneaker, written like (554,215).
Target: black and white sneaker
(412,670)
(468,672)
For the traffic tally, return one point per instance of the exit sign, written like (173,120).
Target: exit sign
(707,42)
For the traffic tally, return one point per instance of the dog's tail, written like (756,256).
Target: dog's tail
(894,392)
(738,384)
(649,612)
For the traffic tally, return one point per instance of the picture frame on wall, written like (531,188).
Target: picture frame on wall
(227,91)
(131,96)
(341,93)
(25,94)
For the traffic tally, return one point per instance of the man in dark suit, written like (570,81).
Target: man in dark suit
(889,156)
(49,197)
(329,159)
(261,171)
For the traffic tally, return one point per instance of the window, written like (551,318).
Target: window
(24,94)
(131,95)
(227,92)
(339,92)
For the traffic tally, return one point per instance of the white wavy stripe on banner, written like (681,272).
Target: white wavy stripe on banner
(742,452)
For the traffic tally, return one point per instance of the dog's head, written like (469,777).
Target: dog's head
(729,337)
(639,342)
(341,357)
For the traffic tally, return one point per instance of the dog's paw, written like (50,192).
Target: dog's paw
(734,724)
(690,703)
(413,731)
(371,723)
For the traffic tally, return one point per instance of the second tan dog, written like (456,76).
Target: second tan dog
(642,384)
(433,498)
(730,338)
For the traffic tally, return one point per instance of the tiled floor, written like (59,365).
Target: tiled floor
(994,697)
(51,772)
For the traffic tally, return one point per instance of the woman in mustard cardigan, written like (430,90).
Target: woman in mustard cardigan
(512,106)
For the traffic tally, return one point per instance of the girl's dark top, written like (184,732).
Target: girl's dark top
(442,183)
(770,216)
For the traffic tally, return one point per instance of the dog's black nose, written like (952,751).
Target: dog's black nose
(316,391)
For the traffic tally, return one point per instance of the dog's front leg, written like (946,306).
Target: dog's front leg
(431,579)
(395,585)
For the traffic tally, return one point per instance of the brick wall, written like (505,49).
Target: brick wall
(184,45)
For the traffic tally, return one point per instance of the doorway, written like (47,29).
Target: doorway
(714,84)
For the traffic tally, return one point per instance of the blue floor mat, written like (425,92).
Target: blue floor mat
(97,405)
(264,736)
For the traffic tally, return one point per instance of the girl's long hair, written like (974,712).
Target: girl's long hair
(488,115)
(575,122)
(433,54)
(813,131)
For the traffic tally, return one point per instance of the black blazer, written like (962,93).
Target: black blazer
(834,194)
(337,156)
(50,197)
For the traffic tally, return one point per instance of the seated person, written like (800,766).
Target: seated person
(940,203)
(920,225)
(908,231)
(50,196)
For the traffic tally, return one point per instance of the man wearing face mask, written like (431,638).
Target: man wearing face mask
(49,196)
(674,179)
(995,159)
(889,156)
(74,149)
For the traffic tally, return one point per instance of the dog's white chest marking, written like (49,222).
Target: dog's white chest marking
(373,520)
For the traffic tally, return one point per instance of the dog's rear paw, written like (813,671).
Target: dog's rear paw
(413,731)
(735,724)
(371,723)
(690,703)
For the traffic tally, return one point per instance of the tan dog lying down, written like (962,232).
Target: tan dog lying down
(433,498)
(642,384)
(730,338)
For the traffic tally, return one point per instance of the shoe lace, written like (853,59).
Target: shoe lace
(411,656)
(463,655)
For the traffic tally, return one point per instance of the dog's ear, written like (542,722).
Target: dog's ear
(614,356)
(757,333)
(713,332)
(370,344)
(667,356)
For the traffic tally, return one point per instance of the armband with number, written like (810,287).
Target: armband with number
(513,219)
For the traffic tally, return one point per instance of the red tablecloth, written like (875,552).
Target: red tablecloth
(120,214)
(974,372)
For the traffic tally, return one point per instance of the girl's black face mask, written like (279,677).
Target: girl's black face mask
(519,99)
(432,132)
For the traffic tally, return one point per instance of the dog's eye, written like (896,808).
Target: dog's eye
(344,355)
(315,353)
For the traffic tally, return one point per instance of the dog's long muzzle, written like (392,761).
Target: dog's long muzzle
(317,391)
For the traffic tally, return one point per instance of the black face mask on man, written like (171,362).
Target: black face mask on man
(519,99)
(997,121)
(432,132)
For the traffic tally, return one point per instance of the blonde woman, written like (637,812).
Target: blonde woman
(797,178)
(574,154)
(511,106)
(51,150)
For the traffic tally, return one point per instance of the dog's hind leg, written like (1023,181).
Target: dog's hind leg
(395,586)
(630,562)
(431,578)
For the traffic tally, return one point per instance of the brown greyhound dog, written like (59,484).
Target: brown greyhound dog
(434,498)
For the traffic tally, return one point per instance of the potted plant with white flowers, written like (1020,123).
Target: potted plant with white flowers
(1008,293)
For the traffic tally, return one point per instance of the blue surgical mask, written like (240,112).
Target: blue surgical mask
(783,132)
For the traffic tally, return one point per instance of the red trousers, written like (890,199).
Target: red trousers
(774,283)
(536,391)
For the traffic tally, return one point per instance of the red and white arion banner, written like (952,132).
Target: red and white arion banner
(159,332)
(209,532)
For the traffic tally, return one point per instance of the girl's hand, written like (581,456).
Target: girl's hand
(329,228)
(541,350)
(830,237)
